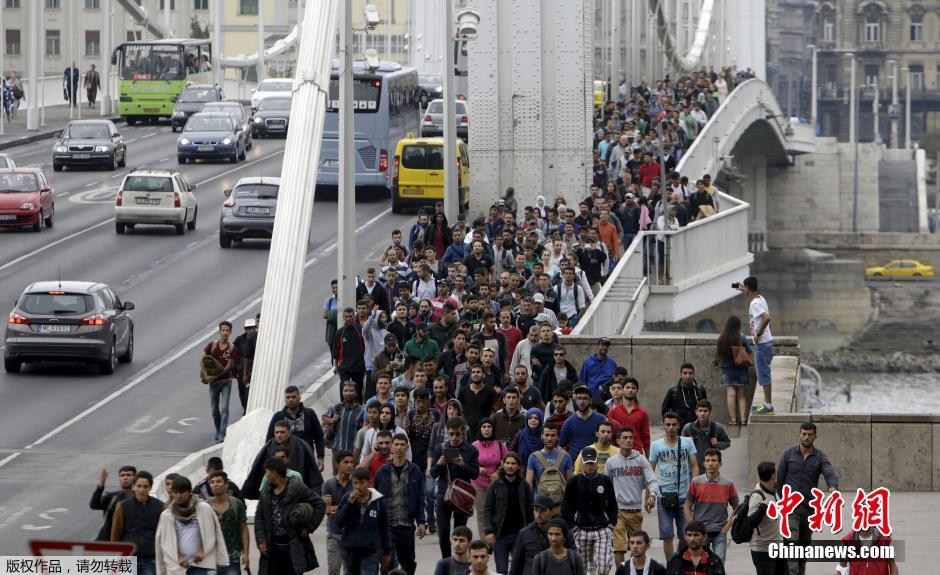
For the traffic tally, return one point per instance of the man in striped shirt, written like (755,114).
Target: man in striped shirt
(709,496)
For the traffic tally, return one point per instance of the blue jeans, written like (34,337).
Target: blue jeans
(627,240)
(358,562)
(198,571)
(763,354)
(146,567)
(219,393)
(719,543)
(670,519)
(503,550)
(233,567)
(430,495)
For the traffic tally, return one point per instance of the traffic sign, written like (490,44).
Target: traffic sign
(42,548)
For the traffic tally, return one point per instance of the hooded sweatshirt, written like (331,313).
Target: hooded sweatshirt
(364,526)
(631,475)
(374,336)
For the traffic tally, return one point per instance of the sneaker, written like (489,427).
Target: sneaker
(764,410)
(432,528)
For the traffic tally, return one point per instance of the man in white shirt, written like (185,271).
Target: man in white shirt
(570,298)
(759,321)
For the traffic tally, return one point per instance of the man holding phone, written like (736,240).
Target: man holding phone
(454,459)
(758,319)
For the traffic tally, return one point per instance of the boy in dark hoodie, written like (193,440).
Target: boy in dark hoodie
(363,519)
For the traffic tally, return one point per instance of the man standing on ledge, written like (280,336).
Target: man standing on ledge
(759,321)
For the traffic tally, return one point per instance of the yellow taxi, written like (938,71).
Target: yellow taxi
(900,269)
(600,89)
(418,173)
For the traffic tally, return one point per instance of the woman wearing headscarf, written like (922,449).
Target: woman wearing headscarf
(528,440)
(387,423)
(491,457)
(540,207)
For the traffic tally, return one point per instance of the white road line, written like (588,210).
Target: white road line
(109,220)
(62,194)
(131,141)
(117,176)
(150,135)
(197,341)
(90,184)
(164,159)
(9,458)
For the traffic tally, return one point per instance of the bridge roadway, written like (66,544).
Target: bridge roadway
(61,424)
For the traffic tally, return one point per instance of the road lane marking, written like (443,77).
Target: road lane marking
(150,135)
(194,343)
(132,141)
(49,246)
(9,458)
(90,184)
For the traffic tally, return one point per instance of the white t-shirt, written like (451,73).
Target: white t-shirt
(757,308)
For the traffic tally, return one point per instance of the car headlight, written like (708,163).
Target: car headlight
(178,114)
(257,120)
(102,149)
(184,141)
(27,206)
(439,89)
(226,141)
(61,149)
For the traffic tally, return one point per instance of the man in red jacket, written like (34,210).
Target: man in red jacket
(628,413)
(870,537)
(649,171)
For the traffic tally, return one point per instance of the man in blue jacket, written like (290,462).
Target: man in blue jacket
(363,518)
(401,483)
(598,369)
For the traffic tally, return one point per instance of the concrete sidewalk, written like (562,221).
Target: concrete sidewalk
(57,117)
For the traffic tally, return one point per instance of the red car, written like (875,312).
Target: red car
(26,199)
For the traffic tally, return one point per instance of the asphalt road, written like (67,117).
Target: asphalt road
(60,424)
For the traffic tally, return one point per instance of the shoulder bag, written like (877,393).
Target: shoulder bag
(740,355)
(670,501)
(460,495)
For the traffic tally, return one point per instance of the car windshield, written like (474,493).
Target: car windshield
(275,104)
(148,184)
(87,131)
(275,87)
(223,109)
(17,183)
(57,303)
(430,78)
(257,191)
(197,95)
(208,124)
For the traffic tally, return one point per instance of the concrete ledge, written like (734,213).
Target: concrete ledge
(44,134)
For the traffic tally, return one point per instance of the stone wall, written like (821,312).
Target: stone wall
(870,248)
(655,361)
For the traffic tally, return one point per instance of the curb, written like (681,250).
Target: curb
(38,136)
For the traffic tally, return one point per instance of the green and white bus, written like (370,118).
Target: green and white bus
(153,73)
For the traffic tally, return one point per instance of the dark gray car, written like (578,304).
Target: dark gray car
(249,210)
(191,100)
(89,143)
(272,118)
(69,321)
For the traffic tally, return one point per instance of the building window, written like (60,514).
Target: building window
(12,4)
(53,44)
(133,36)
(12,42)
(917,77)
(92,4)
(200,4)
(172,4)
(871,75)
(917,29)
(872,31)
(248,7)
(829,30)
(92,43)
(52,4)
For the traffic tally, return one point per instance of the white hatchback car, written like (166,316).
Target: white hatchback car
(271,87)
(155,196)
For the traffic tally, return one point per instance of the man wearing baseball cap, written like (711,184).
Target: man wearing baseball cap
(590,507)
(539,300)
(533,538)
(421,345)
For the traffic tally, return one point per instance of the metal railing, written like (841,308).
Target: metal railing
(697,249)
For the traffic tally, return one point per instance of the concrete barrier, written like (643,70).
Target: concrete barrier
(655,359)
(897,451)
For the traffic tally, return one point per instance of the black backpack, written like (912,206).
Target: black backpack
(743,526)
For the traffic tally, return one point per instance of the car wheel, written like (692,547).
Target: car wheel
(244,154)
(113,165)
(12,365)
(234,157)
(123,161)
(38,225)
(180,159)
(876,274)
(225,240)
(173,128)
(192,225)
(119,227)
(916,274)
(180,229)
(108,366)
(57,167)
(396,207)
(49,220)
(251,142)
(128,356)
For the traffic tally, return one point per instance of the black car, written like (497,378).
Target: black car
(271,118)
(89,143)
(69,321)
(249,210)
(430,87)
(191,100)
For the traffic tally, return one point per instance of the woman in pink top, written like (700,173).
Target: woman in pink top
(491,455)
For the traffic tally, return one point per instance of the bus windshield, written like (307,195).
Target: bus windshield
(366,95)
(152,62)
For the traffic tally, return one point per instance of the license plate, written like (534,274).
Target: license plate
(205,148)
(81,156)
(331,163)
(7,218)
(152,110)
(148,201)
(54,329)
(260,211)
(412,192)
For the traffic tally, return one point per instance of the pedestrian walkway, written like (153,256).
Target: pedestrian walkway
(56,118)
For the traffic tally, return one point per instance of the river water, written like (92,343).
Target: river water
(843,392)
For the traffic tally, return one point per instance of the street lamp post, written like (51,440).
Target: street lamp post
(346,201)
(893,114)
(451,193)
(813,103)
(907,107)
(105,106)
(852,96)
(875,104)
(855,112)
